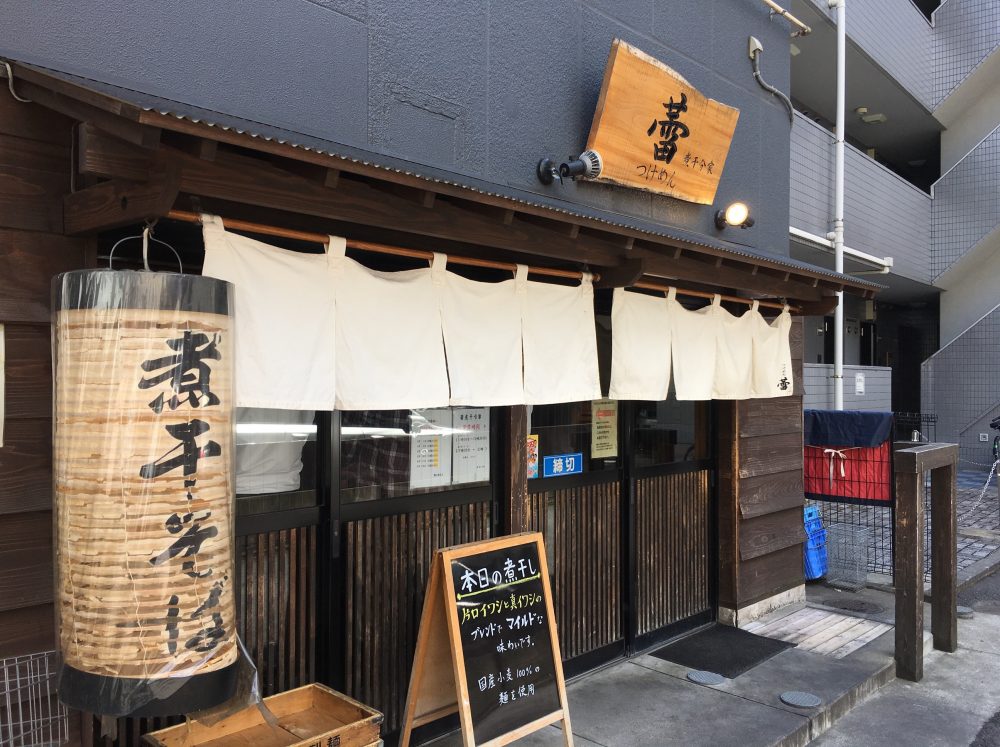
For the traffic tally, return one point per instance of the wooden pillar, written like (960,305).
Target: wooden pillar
(516,509)
(909,565)
(944,561)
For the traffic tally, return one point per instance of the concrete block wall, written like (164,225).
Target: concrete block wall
(960,383)
(817,387)
(966,32)
(884,214)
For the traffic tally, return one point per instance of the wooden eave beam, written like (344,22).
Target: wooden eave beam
(239,178)
(141,127)
(118,124)
(596,244)
(375,172)
(732,274)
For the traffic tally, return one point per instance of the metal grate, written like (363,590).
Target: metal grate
(876,521)
(33,715)
(925,423)
(847,553)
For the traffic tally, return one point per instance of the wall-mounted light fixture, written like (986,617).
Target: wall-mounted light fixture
(737,214)
(587,165)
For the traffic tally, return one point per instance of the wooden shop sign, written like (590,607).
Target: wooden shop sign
(655,131)
(487,647)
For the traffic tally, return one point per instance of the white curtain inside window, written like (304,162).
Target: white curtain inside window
(640,346)
(559,337)
(285,320)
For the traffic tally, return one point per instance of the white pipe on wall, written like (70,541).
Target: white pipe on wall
(838,204)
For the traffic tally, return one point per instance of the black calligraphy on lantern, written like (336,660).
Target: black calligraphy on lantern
(187,372)
(208,637)
(671,129)
(190,452)
(189,543)
(186,375)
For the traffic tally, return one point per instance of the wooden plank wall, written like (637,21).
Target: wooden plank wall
(760,493)
(34,175)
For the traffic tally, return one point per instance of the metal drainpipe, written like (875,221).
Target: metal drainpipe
(838,205)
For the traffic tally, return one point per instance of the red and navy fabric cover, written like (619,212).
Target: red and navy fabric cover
(848,455)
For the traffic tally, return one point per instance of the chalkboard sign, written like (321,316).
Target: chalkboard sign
(488,614)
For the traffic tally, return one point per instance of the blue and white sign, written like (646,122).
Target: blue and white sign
(562,464)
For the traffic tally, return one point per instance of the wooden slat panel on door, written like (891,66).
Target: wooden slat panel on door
(582,529)
(672,549)
(388,560)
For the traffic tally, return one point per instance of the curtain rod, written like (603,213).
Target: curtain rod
(399,251)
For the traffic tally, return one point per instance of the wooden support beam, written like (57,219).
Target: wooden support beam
(718,261)
(332,178)
(629,243)
(517,511)
(944,560)
(120,202)
(574,230)
(626,274)
(508,217)
(909,575)
(819,308)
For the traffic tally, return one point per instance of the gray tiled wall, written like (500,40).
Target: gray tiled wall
(961,384)
(883,214)
(965,33)
(965,206)
(817,387)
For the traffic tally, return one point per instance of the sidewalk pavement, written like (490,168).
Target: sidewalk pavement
(647,701)
(957,697)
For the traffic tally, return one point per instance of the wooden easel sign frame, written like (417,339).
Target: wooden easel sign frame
(487,647)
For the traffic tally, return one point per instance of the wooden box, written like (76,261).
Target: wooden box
(310,716)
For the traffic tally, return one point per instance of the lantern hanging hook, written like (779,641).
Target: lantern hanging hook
(9,74)
(146,236)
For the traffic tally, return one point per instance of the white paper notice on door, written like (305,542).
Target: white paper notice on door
(471,447)
(430,448)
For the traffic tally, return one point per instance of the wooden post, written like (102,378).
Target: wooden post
(944,562)
(909,565)
(516,512)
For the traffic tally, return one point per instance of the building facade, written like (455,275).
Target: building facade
(923,109)
(418,127)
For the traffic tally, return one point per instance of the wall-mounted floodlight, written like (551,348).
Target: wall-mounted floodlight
(737,214)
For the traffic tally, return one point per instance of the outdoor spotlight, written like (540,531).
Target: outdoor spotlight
(737,214)
(588,165)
